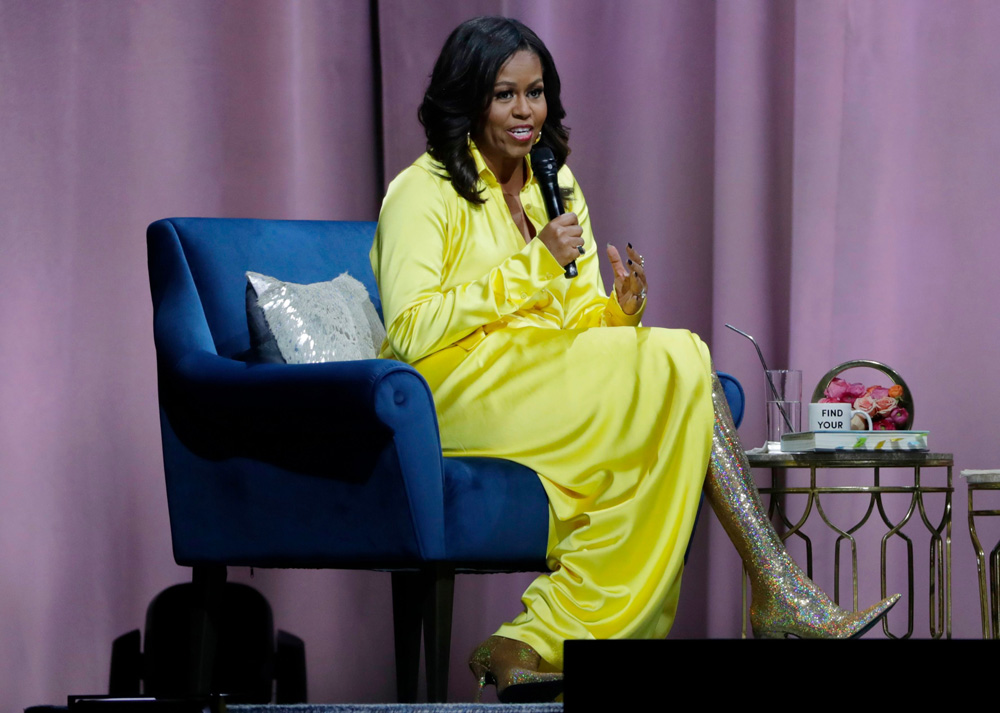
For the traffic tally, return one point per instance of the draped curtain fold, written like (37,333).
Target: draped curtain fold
(821,173)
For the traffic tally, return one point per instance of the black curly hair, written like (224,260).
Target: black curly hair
(461,90)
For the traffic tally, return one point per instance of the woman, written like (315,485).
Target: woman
(527,365)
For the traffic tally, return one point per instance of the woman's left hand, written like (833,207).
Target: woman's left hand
(630,279)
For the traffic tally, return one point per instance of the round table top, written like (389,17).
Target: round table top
(851,459)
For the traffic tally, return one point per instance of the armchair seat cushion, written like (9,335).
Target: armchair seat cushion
(496,515)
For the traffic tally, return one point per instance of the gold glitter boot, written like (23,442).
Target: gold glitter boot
(512,666)
(785,601)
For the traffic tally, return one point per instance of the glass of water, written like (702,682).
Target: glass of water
(784,405)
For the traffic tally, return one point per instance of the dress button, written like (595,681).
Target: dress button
(524,295)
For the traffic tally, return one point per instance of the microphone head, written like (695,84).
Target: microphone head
(543,163)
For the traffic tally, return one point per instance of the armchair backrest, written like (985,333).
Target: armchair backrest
(216,253)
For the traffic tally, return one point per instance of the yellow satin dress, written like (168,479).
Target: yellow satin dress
(527,365)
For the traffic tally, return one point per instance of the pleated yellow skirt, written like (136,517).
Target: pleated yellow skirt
(617,422)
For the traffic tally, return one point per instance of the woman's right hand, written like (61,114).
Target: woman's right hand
(563,236)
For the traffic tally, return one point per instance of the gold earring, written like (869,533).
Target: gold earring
(539,137)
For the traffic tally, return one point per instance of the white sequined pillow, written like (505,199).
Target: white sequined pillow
(306,324)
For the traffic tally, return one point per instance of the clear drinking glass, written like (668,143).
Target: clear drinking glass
(784,405)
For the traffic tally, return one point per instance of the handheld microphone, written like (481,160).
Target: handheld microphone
(543,163)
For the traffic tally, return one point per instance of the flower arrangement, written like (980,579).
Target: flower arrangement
(884,404)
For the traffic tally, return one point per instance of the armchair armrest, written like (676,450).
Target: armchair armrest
(261,399)
(334,420)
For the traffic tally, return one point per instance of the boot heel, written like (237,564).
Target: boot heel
(479,670)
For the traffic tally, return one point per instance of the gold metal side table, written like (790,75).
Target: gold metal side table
(876,461)
(989,596)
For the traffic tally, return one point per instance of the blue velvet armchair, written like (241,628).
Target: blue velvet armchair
(334,465)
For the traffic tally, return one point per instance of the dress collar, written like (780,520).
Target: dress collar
(484,171)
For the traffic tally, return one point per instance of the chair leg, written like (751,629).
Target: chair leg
(407,599)
(209,582)
(290,669)
(126,665)
(439,592)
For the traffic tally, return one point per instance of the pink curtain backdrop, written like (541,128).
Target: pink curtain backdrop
(821,173)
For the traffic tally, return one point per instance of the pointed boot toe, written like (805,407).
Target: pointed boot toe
(512,666)
(817,622)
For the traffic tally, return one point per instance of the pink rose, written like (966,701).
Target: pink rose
(898,416)
(866,404)
(884,425)
(877,392)
(885,404)
(836,390)
(855,390)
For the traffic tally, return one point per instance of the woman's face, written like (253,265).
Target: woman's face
(514,118)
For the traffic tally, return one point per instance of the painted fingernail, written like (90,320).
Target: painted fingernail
(635,273)
(630,244)
(630,261)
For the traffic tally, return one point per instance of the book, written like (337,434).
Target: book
(854,441)
(981,476)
